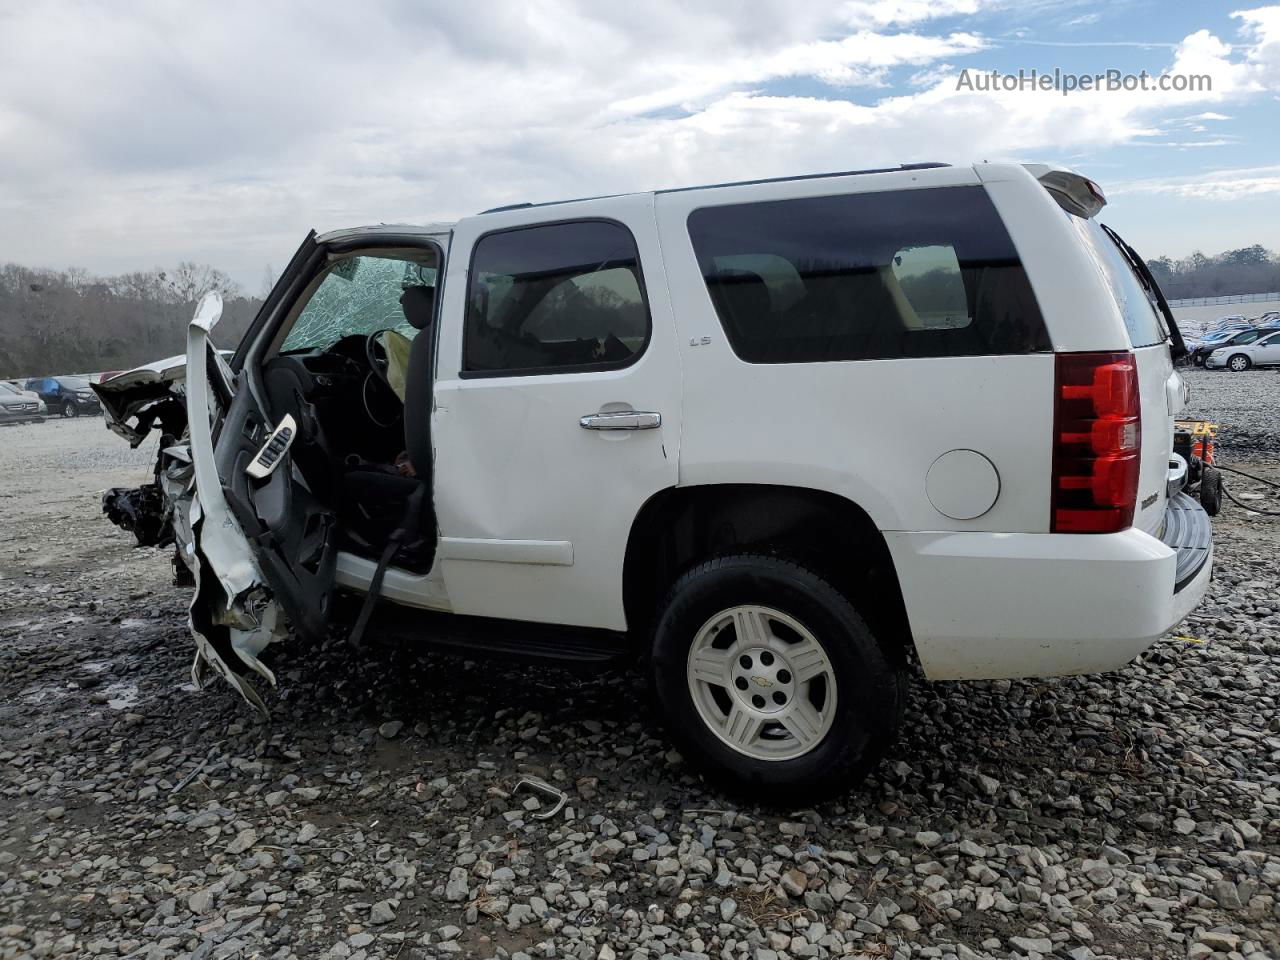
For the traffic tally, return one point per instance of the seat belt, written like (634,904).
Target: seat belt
(412,520)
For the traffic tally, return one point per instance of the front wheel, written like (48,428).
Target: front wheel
(1238,363)
(771,683)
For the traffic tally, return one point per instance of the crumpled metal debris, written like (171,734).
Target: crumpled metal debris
(546,789)
(143,511)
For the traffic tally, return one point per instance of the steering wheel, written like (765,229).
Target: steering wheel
(375,352)
(387,399)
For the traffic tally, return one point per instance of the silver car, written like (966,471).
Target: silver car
(17,406)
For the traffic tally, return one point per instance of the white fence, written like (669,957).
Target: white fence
(1233,298)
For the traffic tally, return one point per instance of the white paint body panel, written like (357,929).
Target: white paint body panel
(1028,605)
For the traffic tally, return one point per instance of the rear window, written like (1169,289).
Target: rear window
(909,273)
(1137,304)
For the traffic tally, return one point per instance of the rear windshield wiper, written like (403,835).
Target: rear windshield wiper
(1144,273)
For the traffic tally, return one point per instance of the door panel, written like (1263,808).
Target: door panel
(293,534)
(534,507)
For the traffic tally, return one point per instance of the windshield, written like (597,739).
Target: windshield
(5,388)
(359,295)
(74,383)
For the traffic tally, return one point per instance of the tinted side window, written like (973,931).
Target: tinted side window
(555,297)
(910,273)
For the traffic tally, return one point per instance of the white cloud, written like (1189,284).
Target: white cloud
(860,59)
(1262,28)
(1215,185)
(221,132)
(886,13)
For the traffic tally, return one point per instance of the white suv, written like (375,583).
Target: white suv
(775,439)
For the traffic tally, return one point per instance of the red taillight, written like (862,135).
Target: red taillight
(1097,442)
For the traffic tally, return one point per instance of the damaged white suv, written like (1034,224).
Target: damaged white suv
(774,438)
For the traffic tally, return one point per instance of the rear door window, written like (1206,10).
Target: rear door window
(555,298)
(896,274)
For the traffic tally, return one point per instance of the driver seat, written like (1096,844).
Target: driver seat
(378,506)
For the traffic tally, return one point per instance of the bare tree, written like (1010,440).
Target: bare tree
(268,282)
(189,281)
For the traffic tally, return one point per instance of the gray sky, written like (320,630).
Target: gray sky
(139,134)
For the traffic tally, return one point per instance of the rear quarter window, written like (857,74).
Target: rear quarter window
(1137,305)
(895,274)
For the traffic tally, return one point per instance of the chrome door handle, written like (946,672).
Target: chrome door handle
(621,420)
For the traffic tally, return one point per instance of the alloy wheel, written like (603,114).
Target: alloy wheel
(762,682)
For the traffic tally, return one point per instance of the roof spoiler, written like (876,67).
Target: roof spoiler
(1074,192)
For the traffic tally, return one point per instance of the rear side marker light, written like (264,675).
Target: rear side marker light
(1097,442)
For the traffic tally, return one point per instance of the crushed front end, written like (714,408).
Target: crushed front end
(233,616)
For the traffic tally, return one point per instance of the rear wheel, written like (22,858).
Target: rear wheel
(770,681)
(1238,363)
(69,409)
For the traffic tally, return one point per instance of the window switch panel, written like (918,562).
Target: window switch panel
(273,451)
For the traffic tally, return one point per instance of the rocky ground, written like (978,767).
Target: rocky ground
(1135,814)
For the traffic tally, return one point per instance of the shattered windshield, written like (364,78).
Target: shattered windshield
(359,295)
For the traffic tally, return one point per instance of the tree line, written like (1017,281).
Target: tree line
(70,321)
(1252,269)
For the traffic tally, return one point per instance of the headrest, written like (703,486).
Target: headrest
(418,304)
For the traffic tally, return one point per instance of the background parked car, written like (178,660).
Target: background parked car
(1200,351)
(17,406)
(68,396)
(1264,352)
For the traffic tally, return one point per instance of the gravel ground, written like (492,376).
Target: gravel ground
(1135,814)
(1246,404)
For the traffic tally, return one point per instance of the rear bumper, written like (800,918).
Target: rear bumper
(994,605)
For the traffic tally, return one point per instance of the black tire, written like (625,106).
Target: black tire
(870,685)
(1211,490)
(1197,359)
(69,409)
(1245,363)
